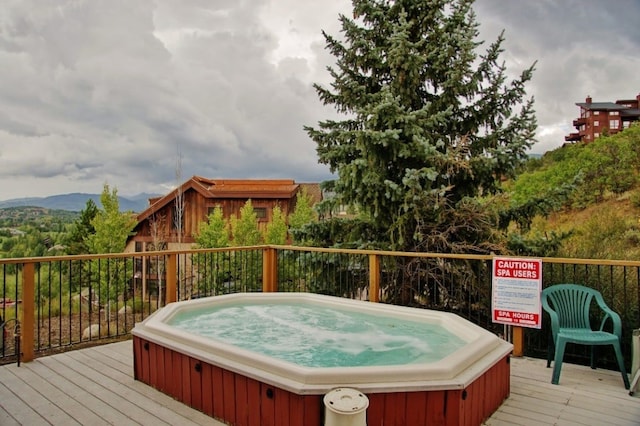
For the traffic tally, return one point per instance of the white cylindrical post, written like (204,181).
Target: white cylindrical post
(345,407)
(635,360)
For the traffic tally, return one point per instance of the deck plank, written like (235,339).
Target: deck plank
(103,403)
(64,411)
(71,396)
(15,404)
(95,386)
(582,397)
(162,405)
(6,419)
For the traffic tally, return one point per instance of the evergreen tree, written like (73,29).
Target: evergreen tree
(76,241)
(429,124)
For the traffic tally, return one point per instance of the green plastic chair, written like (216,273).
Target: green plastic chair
(568,306)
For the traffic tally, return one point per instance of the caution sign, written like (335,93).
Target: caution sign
(517,284)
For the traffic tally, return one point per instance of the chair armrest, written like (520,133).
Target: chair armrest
(609,313)
(553,315)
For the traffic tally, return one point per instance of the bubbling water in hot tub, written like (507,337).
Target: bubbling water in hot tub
(320,336)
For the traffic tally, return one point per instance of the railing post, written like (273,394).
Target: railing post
(144,274)
(374,278)
(27,320)
(517,338)
(269,270)
(172,277)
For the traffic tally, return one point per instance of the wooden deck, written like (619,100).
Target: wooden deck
(95,386)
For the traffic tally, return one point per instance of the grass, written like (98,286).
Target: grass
(606,230)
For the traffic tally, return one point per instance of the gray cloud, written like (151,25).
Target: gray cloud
(582,47)
(110,91)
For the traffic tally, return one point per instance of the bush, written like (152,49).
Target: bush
(634,198)
(600,236)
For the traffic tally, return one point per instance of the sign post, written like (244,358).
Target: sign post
(515,298)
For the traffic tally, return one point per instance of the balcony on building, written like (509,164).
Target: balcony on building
(573,137)
(579,122)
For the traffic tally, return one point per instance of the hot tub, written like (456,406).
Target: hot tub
(244,387)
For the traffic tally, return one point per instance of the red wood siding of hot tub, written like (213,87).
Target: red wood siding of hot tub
(239,400)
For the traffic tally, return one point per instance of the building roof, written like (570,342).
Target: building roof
(243,188)
(626,101)
(227,188)
(630,112)
(612,106)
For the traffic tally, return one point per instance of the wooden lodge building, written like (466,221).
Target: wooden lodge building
(157,229)
(158,225)
(598,118)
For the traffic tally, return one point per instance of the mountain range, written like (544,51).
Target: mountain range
(77,202)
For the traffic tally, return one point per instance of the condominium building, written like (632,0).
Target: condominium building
(598,118)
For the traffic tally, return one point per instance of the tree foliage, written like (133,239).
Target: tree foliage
(568,181)
(428,123)
(76,240)
(338,232)
(112,227)
(214,232)
(30,244)
(609,165)
(303,212)
(276,230)
(245,228)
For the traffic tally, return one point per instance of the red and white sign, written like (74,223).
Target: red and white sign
(517,284)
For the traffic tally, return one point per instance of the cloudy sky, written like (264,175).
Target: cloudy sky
(117,91)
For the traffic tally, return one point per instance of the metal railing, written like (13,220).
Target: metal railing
(67,302)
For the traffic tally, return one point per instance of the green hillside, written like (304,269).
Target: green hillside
(593,192)
(15,217)
(33,231)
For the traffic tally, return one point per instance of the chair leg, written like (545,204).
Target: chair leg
(557,362)
(550,351)
(593,357)
(623,371)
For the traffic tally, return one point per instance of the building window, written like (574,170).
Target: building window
(613,124)
(596,112)
(614,113)
(596,123)
(261,212)
(596,135)
(626,124)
